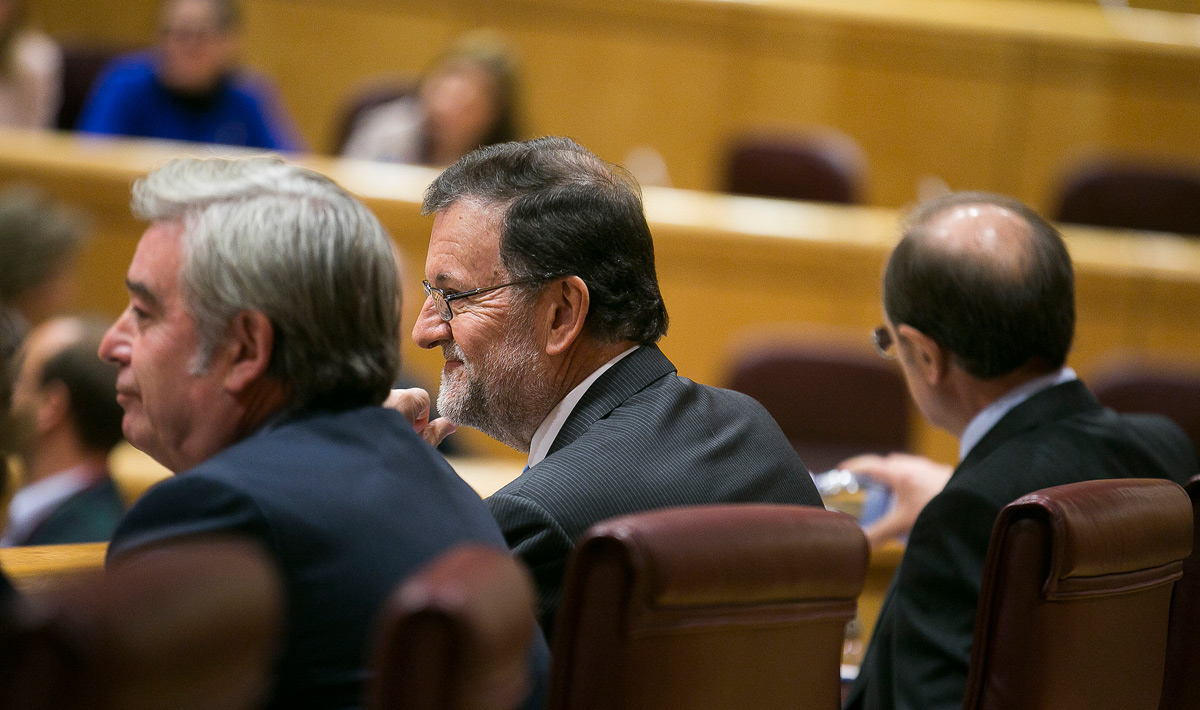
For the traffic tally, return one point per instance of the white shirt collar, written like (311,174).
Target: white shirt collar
(36,502)
(988,417)
(548,430)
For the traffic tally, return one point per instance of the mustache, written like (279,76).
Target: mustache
(450,351)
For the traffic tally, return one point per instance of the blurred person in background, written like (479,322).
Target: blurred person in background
(188,87)
(466,100)
(30,71)
(39,243)
(66,412)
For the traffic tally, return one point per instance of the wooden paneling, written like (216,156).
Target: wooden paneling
(982,94)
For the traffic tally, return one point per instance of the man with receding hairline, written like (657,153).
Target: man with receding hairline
(64,404)
(979,309)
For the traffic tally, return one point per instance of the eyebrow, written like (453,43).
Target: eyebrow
(143,292)
(442,280)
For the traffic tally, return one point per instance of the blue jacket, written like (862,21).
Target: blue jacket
(128,100)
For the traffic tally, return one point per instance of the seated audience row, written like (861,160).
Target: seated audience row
(189,88)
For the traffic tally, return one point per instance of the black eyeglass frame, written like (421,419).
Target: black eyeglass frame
(882,338)
(441,299)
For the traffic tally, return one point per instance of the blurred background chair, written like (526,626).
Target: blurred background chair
(831,402)
(1131,195)
(1076,595)
(1138,386)
(82,64)
(1181,683)
(179,625)
(456,636)
(823,165)
(708,608)
(367,96)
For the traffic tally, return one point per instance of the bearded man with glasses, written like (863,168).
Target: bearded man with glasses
(542,295)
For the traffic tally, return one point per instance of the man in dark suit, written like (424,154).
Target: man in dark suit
(543,298)
(65,406)
(261,335)
(980,312)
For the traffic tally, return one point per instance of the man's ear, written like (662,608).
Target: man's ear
(566,307)
(928,359)
(249,342)
(53,405)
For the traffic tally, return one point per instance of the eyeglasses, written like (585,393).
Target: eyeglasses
(883,342)
(441,299)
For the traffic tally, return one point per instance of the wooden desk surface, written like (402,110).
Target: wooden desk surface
(39,568)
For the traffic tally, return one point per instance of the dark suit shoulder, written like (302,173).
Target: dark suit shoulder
(674,442)
(1086,445)
(90,515)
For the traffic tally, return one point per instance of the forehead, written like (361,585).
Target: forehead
(190,13)
(464,246)
(158,258)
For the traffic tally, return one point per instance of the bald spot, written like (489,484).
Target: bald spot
(993,236)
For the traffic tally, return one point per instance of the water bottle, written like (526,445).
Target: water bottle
(851,493)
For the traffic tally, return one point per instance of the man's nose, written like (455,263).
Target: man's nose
(430,330)
(114,346)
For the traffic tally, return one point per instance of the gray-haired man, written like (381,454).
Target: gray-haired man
(261,333)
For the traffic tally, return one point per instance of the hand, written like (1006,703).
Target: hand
(914,481)
(414,405)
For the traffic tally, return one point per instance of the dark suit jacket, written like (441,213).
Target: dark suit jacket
(90,515)
(921,647)
(644,438)
(348,503)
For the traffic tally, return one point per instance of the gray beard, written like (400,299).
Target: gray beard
(507,400)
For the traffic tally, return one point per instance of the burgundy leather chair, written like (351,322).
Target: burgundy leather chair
(1132,195)
(188,625)
(456,635)
(823,165)
(1076,595)
(1169,390)
(708,608)
(1181,684)
(830,402)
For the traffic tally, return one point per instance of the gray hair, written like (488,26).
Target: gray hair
(264,235)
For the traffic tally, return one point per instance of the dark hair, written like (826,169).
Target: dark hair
(91,386)
(37,235)
(567,212)
(12,332)
(993,320)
